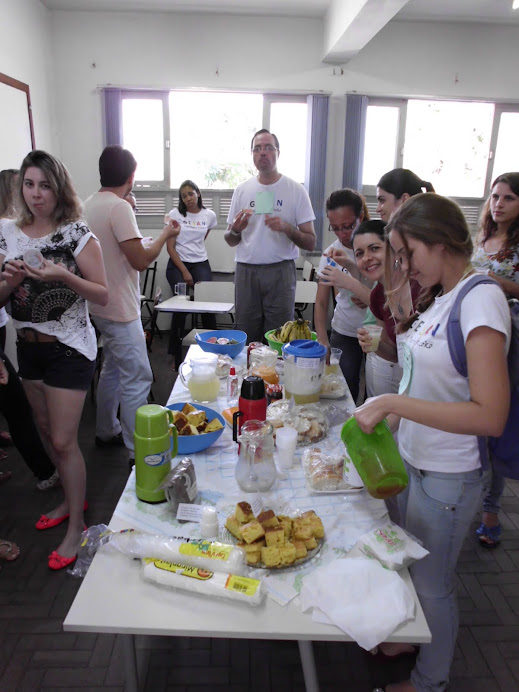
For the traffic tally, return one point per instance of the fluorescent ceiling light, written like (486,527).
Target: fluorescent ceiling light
(515,4)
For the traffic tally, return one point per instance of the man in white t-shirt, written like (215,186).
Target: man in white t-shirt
(270,218)
(126,376)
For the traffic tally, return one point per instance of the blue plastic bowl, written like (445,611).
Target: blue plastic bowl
(231,350)
(190,444)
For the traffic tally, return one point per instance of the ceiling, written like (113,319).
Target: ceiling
(348,25)
(480,11)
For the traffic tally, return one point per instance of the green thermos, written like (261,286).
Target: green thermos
(376,458)
(154,429)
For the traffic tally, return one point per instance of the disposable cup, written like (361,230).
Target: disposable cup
(375,332)
(33,258)
(181,290)
(325,261)
(286,440)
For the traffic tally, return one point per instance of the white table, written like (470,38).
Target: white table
(113,597)
(181,304)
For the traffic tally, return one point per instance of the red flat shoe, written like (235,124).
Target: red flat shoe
(57,561)
(45,522)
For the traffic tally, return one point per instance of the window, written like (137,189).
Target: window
(210,137)
(145,133)
(506,156)
(459,146)
(205,136)
(380,142)
(288,122)
(447,143)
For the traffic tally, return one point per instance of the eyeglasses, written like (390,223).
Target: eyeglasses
(268,148)
(344,228)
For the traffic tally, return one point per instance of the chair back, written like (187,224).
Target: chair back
(308,271)
(306,292)
(215,291)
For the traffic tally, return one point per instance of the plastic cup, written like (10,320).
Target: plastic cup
(325,261)
(33,258)
(209,523)
(181,290)
(335,360)
(375,332)
(286,440)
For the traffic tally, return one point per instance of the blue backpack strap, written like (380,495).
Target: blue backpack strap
(454,334)
(457,348)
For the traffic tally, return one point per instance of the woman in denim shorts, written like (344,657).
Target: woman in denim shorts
(440,412)
(51,265)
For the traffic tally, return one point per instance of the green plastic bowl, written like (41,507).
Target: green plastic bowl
(276,345)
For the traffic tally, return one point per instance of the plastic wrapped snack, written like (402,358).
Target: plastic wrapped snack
(333,387)
(180,484)
(324,471)
(310,423)
(203,582)
(223,365)
(308,420)
(388,543)
(209,555)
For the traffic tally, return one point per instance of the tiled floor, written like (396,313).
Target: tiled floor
(35,653)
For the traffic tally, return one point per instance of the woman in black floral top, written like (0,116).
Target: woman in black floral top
(497,254)
(51,265)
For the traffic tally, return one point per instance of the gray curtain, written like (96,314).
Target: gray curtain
(356,108)
(113,133)
(316,161)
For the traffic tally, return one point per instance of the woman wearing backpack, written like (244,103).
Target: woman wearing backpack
(440,413)
(497,253)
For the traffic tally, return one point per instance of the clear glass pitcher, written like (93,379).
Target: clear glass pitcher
(255,470)
(199,376)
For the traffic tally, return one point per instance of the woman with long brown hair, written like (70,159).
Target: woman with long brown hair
(53,265)
(439,413)
(497,254)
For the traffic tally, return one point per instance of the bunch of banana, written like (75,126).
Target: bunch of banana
(293,329)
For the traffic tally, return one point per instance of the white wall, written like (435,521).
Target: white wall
(26,54)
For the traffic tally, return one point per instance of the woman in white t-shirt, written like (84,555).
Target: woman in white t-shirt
(345,209)
(497,253)
(440,412)
(188,261)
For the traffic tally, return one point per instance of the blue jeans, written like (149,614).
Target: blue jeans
(438,509)
(493,496)
(200,271)
(125,379)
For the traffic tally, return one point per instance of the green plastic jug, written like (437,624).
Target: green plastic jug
(156,444)
(376,458)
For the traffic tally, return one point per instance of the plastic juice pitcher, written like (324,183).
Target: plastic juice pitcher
(376,458)
(202,380)
(154,435)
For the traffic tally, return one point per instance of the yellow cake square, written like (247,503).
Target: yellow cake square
(254,557)
(268,518)
(233,526)
(252,531)
(311,543)
(301,550)
(243,512)
(270,556)
(274,535)
(288,553)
